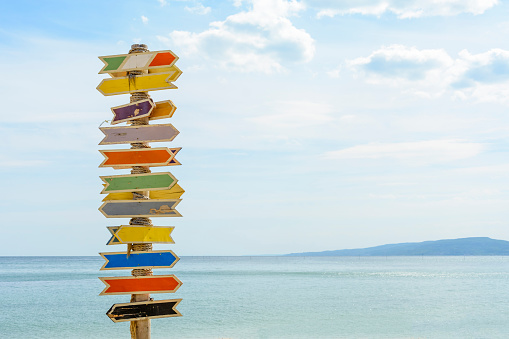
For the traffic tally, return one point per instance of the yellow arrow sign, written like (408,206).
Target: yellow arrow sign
(138,83)
(134,234)
(173,193)
(152,71)
(164,109)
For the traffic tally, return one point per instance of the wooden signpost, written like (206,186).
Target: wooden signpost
(140,194)
(134,234)
(144,310)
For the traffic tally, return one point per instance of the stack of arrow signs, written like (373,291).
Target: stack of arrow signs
(164,193)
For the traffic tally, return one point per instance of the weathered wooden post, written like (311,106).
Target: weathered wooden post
(141,194)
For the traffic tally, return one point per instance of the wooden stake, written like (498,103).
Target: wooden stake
(140,329)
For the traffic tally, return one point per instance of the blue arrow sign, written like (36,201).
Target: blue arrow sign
(155,259)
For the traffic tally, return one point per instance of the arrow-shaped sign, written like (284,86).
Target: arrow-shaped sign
(138,182)
(144,310)
(136,234)
(137,61)
(155,259)
(125,158)
(140,208)
(140,285)
(139,133)
(173,193)
(163,110)
(135,110)
(138,83)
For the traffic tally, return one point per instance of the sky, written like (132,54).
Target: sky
(305,125)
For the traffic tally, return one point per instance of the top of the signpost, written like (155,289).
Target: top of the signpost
(137,61)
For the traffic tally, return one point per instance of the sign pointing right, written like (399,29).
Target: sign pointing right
(138,182)
(138,133)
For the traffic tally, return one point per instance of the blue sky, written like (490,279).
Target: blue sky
(305,125)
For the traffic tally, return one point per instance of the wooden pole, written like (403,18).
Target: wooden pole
(140,329)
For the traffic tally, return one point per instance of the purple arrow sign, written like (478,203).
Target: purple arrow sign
(135,110)
(143,133)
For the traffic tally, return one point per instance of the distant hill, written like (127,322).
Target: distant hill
(463,246)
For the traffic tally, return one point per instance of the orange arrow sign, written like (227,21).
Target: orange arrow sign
(140,285)
(125,158)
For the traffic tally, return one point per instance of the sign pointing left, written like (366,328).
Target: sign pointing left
(140,234)
(135,110)
(144,310)
(140,208)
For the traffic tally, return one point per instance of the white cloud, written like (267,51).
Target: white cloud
(404,9)
(144,19)
(198,9)
(431,72)
(294,114)
(260,39)
(162,2)
(419,152)
(400,65)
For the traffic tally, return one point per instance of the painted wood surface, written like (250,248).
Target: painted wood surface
(163,110)
(144,310)
(140,133)
(138,61)
(138,182)
(153,259)
(140,285)
(138,234)
(161,156)
(139,83)
(173,193)
(140,208)
(131,111)
(173,68)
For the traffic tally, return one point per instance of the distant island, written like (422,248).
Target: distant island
(463,246)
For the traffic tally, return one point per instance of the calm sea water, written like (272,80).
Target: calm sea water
(269,297)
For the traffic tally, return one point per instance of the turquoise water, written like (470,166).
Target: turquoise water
(269,297)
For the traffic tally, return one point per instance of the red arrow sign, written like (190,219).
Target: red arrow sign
(140,285)
(125,158)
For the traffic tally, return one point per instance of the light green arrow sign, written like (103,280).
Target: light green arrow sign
(138,182)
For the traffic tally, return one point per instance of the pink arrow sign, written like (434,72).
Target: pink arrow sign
(143,133)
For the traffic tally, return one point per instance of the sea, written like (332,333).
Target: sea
(268,297)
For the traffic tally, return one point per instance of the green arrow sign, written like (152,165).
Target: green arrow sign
(138,182)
